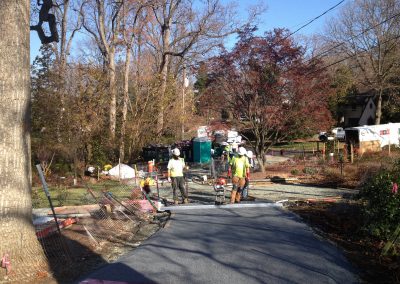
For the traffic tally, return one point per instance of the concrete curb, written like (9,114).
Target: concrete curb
(227,206)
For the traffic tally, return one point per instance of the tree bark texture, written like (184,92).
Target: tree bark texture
(113,93)
(125,103)
(166,34)
(378,113)
(19,240)
(163,88)
(62,62)
(107,47)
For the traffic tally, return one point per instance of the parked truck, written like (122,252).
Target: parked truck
(336,133)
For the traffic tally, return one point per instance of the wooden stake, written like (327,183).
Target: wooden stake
(334,146)
(351,153)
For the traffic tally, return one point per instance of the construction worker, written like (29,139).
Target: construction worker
(234,147)
(245,191)
(175,175)
(239,169)
(226,149)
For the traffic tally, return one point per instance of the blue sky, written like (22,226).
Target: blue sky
(294,13)
(289,14)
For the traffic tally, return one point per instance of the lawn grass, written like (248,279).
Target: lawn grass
(65,196)
(295,146)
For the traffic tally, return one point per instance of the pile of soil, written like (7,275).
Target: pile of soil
(340,223)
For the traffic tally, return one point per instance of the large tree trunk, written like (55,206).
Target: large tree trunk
(166,34)
(378,113)
(125,103)
(113,94)
(163,87)
(62,64)
(260,154)
(18,234)
(138,63)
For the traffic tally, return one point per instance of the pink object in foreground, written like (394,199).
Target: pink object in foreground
(395,188)
(143,204)
(6,263)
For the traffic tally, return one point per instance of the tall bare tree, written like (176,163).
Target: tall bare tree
(367,33)
(68,14)
(133,19)
(185,28)
(101,19)
(19,242)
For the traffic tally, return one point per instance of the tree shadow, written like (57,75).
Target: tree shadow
(76,252)
(68,259)
(115,272)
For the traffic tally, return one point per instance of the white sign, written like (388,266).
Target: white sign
(202,131)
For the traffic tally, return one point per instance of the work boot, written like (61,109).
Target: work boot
(237,198)
(176,202)
(186,201)
(233,195)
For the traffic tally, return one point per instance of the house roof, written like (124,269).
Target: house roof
(361,99)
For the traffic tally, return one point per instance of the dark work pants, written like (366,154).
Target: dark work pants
(178,182)
(245,190)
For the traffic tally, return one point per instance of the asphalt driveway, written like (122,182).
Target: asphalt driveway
(232,245)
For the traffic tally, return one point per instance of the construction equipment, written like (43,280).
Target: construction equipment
(220,191)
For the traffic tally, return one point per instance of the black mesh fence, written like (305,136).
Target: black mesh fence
(97,220)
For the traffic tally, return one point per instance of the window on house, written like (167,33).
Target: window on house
(370,105)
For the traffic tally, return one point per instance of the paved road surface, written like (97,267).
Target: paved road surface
(276,192)
(249,245)
(205,194)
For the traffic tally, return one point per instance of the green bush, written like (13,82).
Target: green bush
(35,198)
(381,203)
(310,171)
(62,196)
(294,172)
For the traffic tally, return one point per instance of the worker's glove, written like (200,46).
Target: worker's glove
(169,179)
(248,176)
(229,173)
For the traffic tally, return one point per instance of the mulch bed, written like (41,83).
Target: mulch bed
(340,223)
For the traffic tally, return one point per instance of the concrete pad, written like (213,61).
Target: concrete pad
(225,206)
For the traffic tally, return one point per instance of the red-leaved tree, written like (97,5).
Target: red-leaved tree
(273,93)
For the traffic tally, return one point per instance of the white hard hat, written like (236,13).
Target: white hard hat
(242,151)
(249,154)
(224,144)
(176,152)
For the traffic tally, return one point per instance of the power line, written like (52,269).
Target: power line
(351,38)
(314,19)
(348,57)
(355,36)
